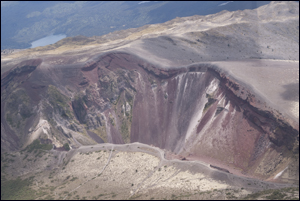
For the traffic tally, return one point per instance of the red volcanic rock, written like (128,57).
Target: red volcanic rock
(197,110)
(23,68)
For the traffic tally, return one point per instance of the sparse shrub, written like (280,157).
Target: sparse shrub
(25,156)
(41,193)
(66,146)
(209,102)
(9,119)
(49,197)
(17,189)
(37,145)
(59,102)
(276,195)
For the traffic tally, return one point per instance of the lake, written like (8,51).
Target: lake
(47,40)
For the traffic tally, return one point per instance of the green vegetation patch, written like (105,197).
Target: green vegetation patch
(274,194)
(37,145)
(18,103)
(209,102)
(101,132)
(59,102)
(17,190)
(66,146)
(79,105)
(111,119)
(125,131)
(74,178)
(9,119)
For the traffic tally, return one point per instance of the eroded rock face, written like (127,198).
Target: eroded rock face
(197,112)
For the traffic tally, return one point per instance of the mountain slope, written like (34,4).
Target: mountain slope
(192,87)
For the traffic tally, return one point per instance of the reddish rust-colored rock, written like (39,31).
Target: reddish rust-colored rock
(196,112)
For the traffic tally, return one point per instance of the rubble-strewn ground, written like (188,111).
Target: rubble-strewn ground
(131,171)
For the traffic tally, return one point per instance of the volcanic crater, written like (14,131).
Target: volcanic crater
(177,103)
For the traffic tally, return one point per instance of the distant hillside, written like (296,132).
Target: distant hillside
(25,22)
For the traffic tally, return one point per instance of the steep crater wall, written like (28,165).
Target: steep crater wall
(197,112)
